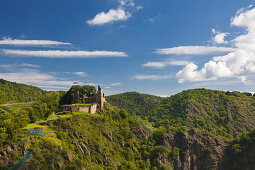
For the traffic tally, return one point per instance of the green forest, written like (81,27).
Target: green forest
(11,92)
(198,128)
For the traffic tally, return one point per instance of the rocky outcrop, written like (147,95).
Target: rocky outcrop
(196,151)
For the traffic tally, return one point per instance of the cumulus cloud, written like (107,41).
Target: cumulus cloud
(239,63)
(219,37)
(162,64)
(64,54)
(194,50)
(110,17)
(121,13)
(150,77)
(10,41)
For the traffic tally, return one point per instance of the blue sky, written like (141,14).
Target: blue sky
(157,47)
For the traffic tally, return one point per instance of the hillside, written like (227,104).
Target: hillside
(108,140)
(11,92)
(224,114)
(134,103)
(195,129)
(240,154)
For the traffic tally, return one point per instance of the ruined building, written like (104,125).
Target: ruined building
(87,104)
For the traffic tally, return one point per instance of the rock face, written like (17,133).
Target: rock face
(197,152)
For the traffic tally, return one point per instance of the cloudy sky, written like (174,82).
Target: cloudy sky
(156,47)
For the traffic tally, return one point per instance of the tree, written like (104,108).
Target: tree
(88,90)
(70,95)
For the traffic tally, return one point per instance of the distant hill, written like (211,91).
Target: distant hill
(11,92)
(221,113)
(134,103)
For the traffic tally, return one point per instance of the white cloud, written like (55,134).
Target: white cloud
(9,41)
(220,38)
(65,54)
(29,65)
(8,66)
(81,74)
(115,84)
(151,77)
(128,3)
(155,64)
(139,7)
(110,17)
(178,63)
(36,78)
(194,50)
(239,63)
(15,66)
(160,65)
(153,19)
(121,13)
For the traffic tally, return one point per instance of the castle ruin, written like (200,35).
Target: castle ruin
(87,104)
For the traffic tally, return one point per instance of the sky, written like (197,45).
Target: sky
(157,47)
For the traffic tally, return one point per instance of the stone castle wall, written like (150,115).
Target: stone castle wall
(84,109)
(76,108)
(89,109)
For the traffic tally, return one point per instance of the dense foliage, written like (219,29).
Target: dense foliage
(240,154)
(12,122)
(70,95)
(224,114)
(13,92)
(134,103)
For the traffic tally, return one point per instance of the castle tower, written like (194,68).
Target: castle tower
(100,97)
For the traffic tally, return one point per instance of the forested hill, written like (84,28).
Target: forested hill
(224,114)
(11,92)
(134,103)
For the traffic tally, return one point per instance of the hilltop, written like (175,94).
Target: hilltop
(134,102)
(224,114)
(12,92)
